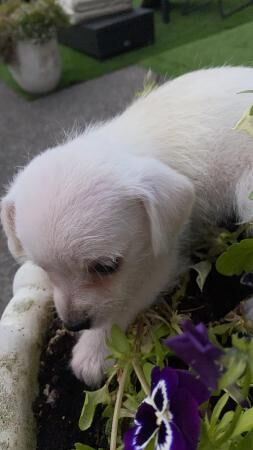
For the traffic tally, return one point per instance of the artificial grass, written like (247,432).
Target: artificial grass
(181,30)
(232,47)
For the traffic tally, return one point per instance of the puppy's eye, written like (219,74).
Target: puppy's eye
(102,268)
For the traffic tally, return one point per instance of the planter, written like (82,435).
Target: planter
(34,342)
(37,67)
(22,329)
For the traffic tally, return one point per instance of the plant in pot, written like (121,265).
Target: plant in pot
(28,43)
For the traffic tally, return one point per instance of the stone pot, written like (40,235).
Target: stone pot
(37,67)
(22,330)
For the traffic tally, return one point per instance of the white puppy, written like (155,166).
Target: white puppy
(105,213)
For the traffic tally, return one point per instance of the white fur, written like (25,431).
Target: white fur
(133,188)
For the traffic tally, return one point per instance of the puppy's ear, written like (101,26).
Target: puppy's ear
(168,199)
(8,219)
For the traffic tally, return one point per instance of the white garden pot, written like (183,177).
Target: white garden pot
(37,67)
(22,330)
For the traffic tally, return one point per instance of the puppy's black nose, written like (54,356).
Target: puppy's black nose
(78,326)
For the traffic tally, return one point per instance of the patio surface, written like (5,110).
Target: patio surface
(26,128)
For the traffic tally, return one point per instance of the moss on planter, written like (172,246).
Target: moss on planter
(6,414)
(16,422)
(9,362)
(8,399)
(24,306)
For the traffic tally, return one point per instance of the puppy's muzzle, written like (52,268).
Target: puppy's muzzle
(78,326)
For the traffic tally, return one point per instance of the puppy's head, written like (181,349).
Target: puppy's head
(98,224)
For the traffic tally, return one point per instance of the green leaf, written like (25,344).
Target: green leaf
(205,443)
(160,351)
(244,423)
(84,447)
(251,196)
(147,345)
(217,409)
(108,411)
(149,84)
(244,443)
(161,330)
(140,396)
(147,369)
(131,403)
(221,329)
(246,122)
(235,363)
(250,358)
(236,394)
(92,399)
(236,259)
(247,91)
(119,342)
(240,343)
(225,422)
(151,445)
(234,372)
(203,268)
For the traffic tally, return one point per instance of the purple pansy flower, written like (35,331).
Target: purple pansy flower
(195,349)
(170,415)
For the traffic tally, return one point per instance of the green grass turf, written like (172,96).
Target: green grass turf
(169,54)
(232,47)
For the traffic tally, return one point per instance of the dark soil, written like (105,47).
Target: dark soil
(58,406)
(220,295)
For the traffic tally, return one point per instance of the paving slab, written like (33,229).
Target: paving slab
(29,127)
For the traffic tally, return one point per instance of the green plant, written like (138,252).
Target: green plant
(226,416)
(7,30)
(37,20)
(6,40)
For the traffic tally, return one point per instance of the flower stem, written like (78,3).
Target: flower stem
(141,377)
(116,412)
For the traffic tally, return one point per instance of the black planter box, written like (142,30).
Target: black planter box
(109,36)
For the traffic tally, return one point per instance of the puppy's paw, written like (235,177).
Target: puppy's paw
(88,358)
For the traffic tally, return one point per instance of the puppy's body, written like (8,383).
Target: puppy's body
(187,124)
(105,214)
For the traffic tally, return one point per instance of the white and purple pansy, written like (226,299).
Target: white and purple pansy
(169,417)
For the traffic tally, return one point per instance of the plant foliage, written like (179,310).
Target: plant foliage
(36,21)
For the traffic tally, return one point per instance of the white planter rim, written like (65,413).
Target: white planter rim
(22,330)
